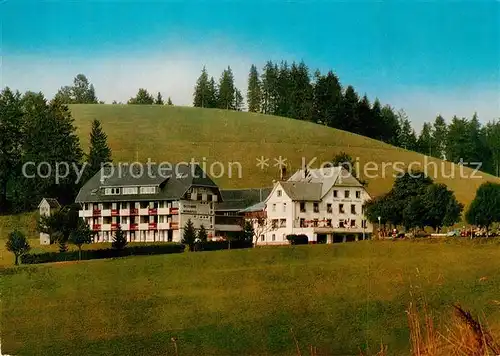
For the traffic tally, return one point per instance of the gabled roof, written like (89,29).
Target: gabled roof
(327,177)
(173,182)
(302,191)
(53,203)
(237,199)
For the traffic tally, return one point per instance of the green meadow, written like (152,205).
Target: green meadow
(339,298)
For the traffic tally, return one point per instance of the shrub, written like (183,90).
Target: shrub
(133,250)
(224,245)
(300,239)
(18,245)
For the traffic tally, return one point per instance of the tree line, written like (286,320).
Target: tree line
(40,152)
(289,90)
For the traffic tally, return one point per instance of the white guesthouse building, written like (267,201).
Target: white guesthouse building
(324,204)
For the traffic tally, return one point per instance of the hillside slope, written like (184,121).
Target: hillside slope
(175,134)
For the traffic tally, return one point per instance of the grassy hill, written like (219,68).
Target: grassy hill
(339,298)
(174,134)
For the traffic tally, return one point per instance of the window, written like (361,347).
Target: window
(363,224)
(341,224)
(278,192)
(302,222)
(275,224)
(353,209)
(261,237)
(328,208)
(124,205)
(284,207)
(358,194)
(302,207)
(329,222)
(341,209)
(148,190)
(346,194)
(199,197)
(282,222)
(130,190)
(85,206)
(273,237)
(315,223)
(274,207)
(316,207)
(353,223)
(335,193)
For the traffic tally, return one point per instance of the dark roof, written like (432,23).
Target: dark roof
(173,182)
(302,190)
(260,206)
(238,199)
(53,203)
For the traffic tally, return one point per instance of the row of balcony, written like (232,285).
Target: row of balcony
(136,227)
(128,212)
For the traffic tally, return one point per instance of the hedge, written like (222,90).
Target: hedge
(224,245)
(136,250)
(298,239)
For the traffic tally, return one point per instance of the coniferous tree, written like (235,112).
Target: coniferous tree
(81,92)
(159,99)
(492,135)
(142,98)
(350,118)
(48,136)
(440,132)
(328,102)
(375,125)
(213,94)
(99,153)
(119,239)
(202,90)
(11,122)
(226,98)
(202,234)
(254,90)
(365,117)
(425,141)
(238,100)
(269,78)
(301,96)
(169,102)
(283,91)
(189,235)
(406,136)
(390,125)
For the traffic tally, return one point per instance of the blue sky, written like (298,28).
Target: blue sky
(424,57)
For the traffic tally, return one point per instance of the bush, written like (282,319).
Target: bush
(224,245)
(133,250)
(298,239)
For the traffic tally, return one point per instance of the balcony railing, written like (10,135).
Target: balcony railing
(96,212)
(174,225)
(134,211)
(115,212)
(174,211)
(114,226)
(134,227)
(153,211)
(96,227)
(153,226)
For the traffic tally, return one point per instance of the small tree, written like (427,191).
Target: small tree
(248,231)
(189,235)
(485,208)
(82,235)
(17,244)
(159,99)
(119,239)
(261,226)
(202,234)
(169,101)
(61,242)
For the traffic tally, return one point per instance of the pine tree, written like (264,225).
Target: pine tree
(376,124)
(254,90)
(226,98)
(492,134)
(440,132)
(238,100)
(425,141)
(100,153)
(269,79)
(365,117)
(11,120)
(202,90)
(390,125)
(213,94)
(301,93)
(327,103)
(284,91)
(142,98)
(159,99)
(202,234)
(189,235)
(351,120)
(169,102)
(119,239)
(407,138)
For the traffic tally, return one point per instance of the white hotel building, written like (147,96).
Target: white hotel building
(324,204)
(148,207)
